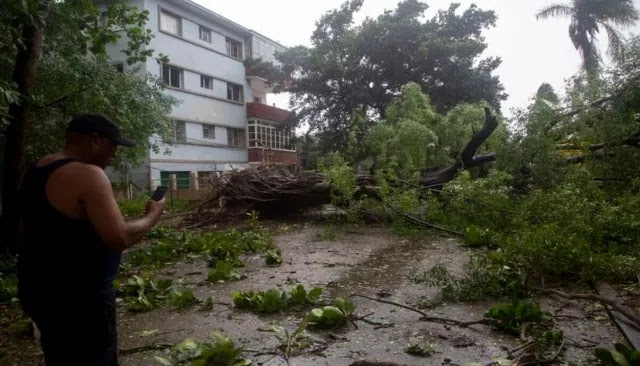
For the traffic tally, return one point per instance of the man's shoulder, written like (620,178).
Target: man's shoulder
(84,173)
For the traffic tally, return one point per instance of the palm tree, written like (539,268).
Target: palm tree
(587,17)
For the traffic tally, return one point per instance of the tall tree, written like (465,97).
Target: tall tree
(587,17)
(363,67)
(65,42)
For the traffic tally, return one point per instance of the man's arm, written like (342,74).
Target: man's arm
(104,214)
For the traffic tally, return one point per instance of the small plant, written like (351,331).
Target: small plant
(621,355)
(222,351)
(421,349)
(182,299)
(273,257)
(476,237)
(275,300)
(511,317)
(161,232)
(223,272)
(331,316)
(143,293)
(291,343)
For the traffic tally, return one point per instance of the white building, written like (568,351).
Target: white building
(206,72)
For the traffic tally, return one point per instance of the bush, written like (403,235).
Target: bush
(135,206)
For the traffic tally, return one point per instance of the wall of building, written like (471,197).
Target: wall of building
(199,105)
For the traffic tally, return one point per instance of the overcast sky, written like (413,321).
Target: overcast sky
(532,51)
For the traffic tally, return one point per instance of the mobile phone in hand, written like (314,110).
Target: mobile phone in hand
(159,193)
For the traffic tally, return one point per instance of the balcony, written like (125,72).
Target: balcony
(267,112)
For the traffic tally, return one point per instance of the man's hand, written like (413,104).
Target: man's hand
(154,209)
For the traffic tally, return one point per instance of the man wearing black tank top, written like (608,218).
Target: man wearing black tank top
(72,234)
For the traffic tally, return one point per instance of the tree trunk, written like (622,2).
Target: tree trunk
(15,139)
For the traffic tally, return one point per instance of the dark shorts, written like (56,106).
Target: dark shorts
(77,330)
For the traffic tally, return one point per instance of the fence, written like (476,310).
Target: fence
(189,187)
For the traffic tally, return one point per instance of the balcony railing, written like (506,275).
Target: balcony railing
(267,112)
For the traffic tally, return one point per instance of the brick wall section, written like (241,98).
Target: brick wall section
(258,155)
(259,110)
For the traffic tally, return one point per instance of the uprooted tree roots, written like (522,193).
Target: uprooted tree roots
(277,190)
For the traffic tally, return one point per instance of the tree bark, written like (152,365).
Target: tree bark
(468,158)
(24,74)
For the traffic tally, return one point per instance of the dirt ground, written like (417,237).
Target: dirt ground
(367,260)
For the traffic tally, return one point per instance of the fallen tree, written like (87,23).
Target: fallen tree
(273,190)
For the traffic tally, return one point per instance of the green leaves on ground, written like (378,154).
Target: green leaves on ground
(421,349)
(171,246)
(275,300)
(182,299)
(221,351)
(144,293)
(290,343)
(223,272)
(511,317)
(273,257)
(331,316)
(621,355)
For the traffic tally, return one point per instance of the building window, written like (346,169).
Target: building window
(181,131)
(208,132)
(234,48)
(266,135)
(235,137)
(170,23)
(234,92)
(119,66)
(205,34)
(182,179)
(257,100)
(172,76)
(206,82)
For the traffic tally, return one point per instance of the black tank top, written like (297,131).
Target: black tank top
(58,252)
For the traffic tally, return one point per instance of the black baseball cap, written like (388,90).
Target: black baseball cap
(99,124)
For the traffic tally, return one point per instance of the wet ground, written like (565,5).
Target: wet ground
(366,260)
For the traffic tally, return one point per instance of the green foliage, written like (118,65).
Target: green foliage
(486,277)
(221,351)
(291,343)
(511,317)
(331,316)
(380,56)
(183,299)
(273,257)
(421,349)
(475,237)
(621,355)
(135,207)
(170,246)
(276,300)
(340,176)
(142,294)
(222,272)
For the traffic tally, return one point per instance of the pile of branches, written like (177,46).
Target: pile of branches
(276,190)
(270,190)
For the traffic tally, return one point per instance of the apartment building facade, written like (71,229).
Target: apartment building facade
(223,120)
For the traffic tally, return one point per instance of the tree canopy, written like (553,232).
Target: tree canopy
(361,68)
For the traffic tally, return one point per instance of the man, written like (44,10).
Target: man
(72,234)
